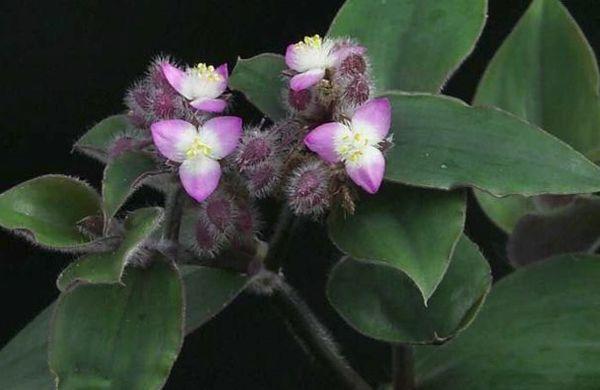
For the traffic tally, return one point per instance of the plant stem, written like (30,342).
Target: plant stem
(278,240)
(403,367)
(173,213)
(317,338)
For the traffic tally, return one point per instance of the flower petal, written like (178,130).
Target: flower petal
(322,140)
(200,176)
(173,138)
(175,76)
(222,134)
(292,54)
(368,171)
(307,79)
(209,105)
(373,119)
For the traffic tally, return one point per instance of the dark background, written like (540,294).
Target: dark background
(66,64)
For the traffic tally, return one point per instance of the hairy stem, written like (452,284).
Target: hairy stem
(313,333)
(173,213)
(277,243)
(403,367)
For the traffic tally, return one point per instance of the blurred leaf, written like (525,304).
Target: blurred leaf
(381,302)
(411,229)
(537,330)
(413,45)
(259,79)
(119,336)
(96,142)
(107,268)
(546,73)
(440,142)
(570,229)
(23,361)
(46,210)
(121,178)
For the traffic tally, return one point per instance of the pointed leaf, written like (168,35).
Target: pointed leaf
(119,336)
(381,302)
(537,330)
(108,267)
(544,72)
(414,45)
(122,176)
(259,79)
(47,209)
(411,229)
(443,143)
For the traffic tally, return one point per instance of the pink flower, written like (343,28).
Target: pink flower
(355,144)
(312,56)
(201,85)
(198,150)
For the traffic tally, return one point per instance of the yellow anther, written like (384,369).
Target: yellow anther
(207,72)
(198,147)
(315,41)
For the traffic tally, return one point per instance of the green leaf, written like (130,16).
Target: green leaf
(411,229)
(414,45)
(544,72)
(537,330)
(47,209)
(98,139)
(119,336)
(208,291)
(23,361)
(108,267)
(122,176)
(443,143)
(259,79)
(569,229)
(381,302)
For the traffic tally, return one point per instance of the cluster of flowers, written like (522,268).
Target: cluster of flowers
(331,142)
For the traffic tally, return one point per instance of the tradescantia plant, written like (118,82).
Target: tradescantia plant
(358,138)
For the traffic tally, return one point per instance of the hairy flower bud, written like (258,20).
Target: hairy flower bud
(219,213)
(263,178)
(207,243)
(308,189)
(121,145)
(137,101)
(299,100)
(356,90)
(354,64)
(255,148)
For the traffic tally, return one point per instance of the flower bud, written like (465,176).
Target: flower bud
(136,100)
(263,178)
(299,100)
(207,243)
(356,91)
(121,145)
(308,189)
(218,213)
(354,64)
(155,75)
(255,148)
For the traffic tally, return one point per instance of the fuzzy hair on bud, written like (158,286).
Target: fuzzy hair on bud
(207,243)
(255,148)
(299,100)
(219,212)
(356,90)
(247,227)
(264,178)
(308,189)
(354,64)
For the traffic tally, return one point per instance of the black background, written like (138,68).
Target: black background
(66,64)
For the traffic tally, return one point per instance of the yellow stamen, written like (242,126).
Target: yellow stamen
(315,41)
(207,72)
(198,147)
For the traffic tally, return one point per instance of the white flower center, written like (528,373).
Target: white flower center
(205,72)
(351,145)
(314,53)
(202,81)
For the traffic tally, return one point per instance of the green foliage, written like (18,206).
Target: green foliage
(537,330)
(108,267)
(46,210)
(544,72)
(259,79)
(97,141)
(380,301)
(388,228)
(414,45)
(119,336)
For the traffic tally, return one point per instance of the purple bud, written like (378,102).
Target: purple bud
(356,90)
(155,75)
(218,213)
(354,64)
(247,226)
(121,145)
(308,189)
(255,148)
(137,101)
(263,178)
(207,242)
(299,100)
(290,133)
(164,104)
